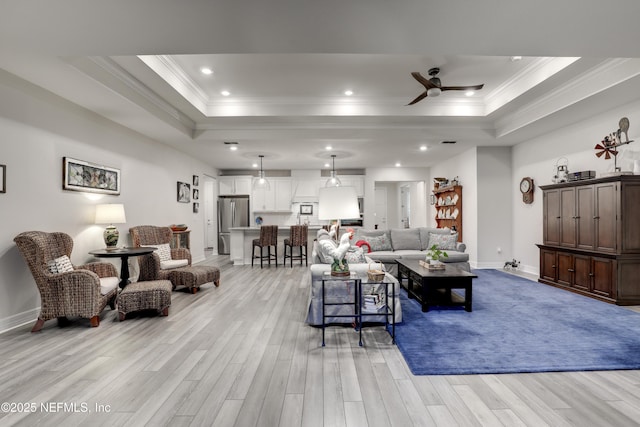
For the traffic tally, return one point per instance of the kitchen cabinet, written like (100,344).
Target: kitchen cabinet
(234,185)
(277,198)
(591,238)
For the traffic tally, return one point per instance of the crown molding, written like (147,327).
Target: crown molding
(108,72)
(605,75)
(169,70)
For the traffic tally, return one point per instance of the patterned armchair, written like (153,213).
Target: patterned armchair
(152,267)
(82,291)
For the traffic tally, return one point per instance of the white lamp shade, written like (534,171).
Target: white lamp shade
(338,203)
(112,213)
(434,91)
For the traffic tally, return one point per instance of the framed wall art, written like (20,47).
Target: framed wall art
(196,194)
(196,207)
(3,178)
(79,175)
(196,180)
(184,192)
(306,209)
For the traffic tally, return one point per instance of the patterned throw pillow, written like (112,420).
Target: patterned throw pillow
(163,250)
(379,243)
(446,242)
(60,265)
(355,255)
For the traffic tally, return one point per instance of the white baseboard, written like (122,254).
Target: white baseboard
(19,319)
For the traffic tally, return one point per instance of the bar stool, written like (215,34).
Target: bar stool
(298,238)
(268,238)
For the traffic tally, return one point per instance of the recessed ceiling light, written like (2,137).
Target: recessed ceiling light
(327,165)
(255,165)
(515,58)
(225,93)
(328,148)
(470,93)
(398,164)
(233,145)
(348,92)
(206,70)
(423,148)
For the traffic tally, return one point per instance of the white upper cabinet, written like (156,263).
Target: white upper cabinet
(276,198)
(234,185)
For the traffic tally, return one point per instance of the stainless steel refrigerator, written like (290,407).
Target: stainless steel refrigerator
(233,211)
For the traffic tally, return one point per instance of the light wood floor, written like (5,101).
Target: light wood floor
(241,355)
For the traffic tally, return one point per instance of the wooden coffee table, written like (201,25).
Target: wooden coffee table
(430,281)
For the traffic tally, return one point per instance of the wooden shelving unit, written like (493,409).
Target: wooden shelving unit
(449,208)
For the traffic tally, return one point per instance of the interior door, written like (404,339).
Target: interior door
(381,208)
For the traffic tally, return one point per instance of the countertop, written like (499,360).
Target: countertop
(280,227)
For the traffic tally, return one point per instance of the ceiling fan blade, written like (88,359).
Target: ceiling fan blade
(422,96)
(476,87)
(425,82)
(599,154)
(607,155)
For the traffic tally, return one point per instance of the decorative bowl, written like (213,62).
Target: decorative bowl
(178,227)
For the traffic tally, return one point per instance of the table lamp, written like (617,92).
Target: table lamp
(112,213)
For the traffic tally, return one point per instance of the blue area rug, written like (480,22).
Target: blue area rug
(518,326)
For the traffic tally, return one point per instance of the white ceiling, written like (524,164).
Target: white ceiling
(287,64)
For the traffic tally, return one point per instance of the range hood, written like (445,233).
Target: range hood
(305,186)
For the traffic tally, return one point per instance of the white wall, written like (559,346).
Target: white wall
(38,129)
(537,158)
(494,201)
(465,167)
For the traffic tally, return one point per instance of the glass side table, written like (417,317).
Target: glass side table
(361,292)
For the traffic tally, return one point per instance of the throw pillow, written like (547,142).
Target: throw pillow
(60,265)
(163,250)
(355,255)
(325,250)
(405,238)
(445,242)
(379,243)
(363,244)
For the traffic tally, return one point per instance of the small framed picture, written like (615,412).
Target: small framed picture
(3,178)
(184,192)
(196,194)
(196,207)
(196,180)
(306,209)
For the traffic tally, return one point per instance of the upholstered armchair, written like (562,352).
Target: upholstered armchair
(65,290)
(158,265)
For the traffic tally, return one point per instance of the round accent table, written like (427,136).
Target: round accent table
(123,254)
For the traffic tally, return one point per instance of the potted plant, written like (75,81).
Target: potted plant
(433,257)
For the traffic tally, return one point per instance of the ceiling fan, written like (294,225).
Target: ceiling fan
(434,86)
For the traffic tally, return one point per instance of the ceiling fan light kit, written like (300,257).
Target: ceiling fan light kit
(434,86)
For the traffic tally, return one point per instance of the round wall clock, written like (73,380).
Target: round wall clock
(526,188)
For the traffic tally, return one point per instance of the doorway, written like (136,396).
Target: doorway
(381,208)
(209,200)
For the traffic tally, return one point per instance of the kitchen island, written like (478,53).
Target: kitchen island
(241,243)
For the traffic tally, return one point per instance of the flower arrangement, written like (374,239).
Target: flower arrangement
(433,256)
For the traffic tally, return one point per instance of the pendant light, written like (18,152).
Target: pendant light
(261,182)
(334,181)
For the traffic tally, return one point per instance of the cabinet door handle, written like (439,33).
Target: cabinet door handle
(576,217)
(558,217)
(570,270)
(591,274)
(553,266)
(596,217)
